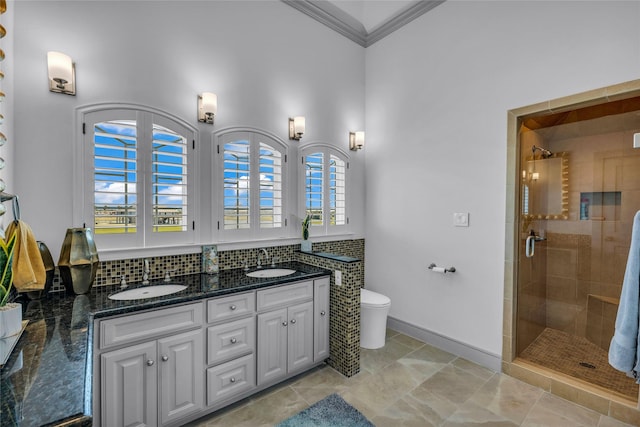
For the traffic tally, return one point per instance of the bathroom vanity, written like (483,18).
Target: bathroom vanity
(167,366)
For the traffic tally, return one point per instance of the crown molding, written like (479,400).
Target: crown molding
(340,21)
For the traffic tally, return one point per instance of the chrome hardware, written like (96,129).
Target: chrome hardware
(284,323)
(145,272)
(446,270)
(322,313)
(530,246)
(266,257)
(165,358)
(149,362)
(232,307)
(293,321)
(232,379)
(233,340)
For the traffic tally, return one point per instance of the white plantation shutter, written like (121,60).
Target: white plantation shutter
(325,188)
(314,187)
(169,180)
(115,177)
(237,185)
(337,191)
(135,185)
(270,187)
(253,177)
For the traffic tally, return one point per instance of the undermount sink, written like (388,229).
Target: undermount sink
(271,272)
(147,292)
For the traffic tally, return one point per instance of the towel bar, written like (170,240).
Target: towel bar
(446,270)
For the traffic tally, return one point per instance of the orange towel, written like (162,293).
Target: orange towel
(29,273)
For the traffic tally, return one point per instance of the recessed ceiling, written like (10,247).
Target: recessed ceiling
(364,21)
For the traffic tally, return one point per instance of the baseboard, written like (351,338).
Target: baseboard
(476,355)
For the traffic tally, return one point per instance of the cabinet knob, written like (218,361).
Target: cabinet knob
(149,362)
(233,341)
(232,307)
(284,323)
(232,379)
(165,358)
(293,321)
(322,313)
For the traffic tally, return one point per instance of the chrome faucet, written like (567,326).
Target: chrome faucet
(266,257)
(145,272)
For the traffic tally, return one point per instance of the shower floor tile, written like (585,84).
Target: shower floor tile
(579,358)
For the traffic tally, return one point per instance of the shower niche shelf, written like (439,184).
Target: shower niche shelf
(600,206)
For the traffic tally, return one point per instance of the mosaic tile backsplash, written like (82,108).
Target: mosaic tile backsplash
(345,299)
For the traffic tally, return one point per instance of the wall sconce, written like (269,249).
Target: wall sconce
(296,128)
(62,73)
(356,140)
(207,107)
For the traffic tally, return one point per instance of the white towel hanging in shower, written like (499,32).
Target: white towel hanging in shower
(625,344)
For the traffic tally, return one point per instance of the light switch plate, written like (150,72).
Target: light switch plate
(636,140)
(461,219)
(338,276)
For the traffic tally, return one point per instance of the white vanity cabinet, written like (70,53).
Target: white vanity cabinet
(231,341)
(155,382)
(169,366)
(285,330)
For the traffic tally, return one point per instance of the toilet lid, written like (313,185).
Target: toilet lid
(373,298)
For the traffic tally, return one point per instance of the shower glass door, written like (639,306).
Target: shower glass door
(569,289)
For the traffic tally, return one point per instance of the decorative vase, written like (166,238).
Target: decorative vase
(78,263)
(305,246)
(10,319)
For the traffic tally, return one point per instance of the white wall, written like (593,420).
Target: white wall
(438,92)
(265,60)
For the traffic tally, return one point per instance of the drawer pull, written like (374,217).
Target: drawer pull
(232,379)
(293,321)
(233,341)
(149,362)
(322,313)
(165,358)
(284,323)
(232,307)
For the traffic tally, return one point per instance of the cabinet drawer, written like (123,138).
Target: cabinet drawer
(148,325)
(230,379)
(230,307)
(230,340)
(285,295)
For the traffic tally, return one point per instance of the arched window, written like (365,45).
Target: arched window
(252,166)
(137,179)
(325,188)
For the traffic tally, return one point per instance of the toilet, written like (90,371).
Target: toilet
(374,308)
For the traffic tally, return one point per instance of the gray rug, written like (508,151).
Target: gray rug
(332,411)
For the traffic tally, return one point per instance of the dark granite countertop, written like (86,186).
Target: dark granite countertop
(47,378)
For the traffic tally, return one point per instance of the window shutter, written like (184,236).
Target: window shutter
(271,214)
(337,203)
(314,179)
(237,165)
(115,177)
(169,180)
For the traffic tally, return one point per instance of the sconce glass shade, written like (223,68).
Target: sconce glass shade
(62,74)
(297,126)
(207,107)
(535,176)
(356,140)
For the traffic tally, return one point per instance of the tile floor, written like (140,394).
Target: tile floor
(410,383)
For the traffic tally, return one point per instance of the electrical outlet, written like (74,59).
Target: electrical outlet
(338,277)
(461,219)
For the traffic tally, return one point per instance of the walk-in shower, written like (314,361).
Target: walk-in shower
(579,188)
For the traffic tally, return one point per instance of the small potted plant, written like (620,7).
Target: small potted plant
(305,246)
(10,312)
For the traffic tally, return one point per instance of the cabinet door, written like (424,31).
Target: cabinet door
(321,319)
(300,337)
(129,386)
(181,375)
(272,345)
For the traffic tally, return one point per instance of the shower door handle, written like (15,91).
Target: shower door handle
(530,246)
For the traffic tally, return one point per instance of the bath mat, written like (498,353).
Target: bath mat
(332,411)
